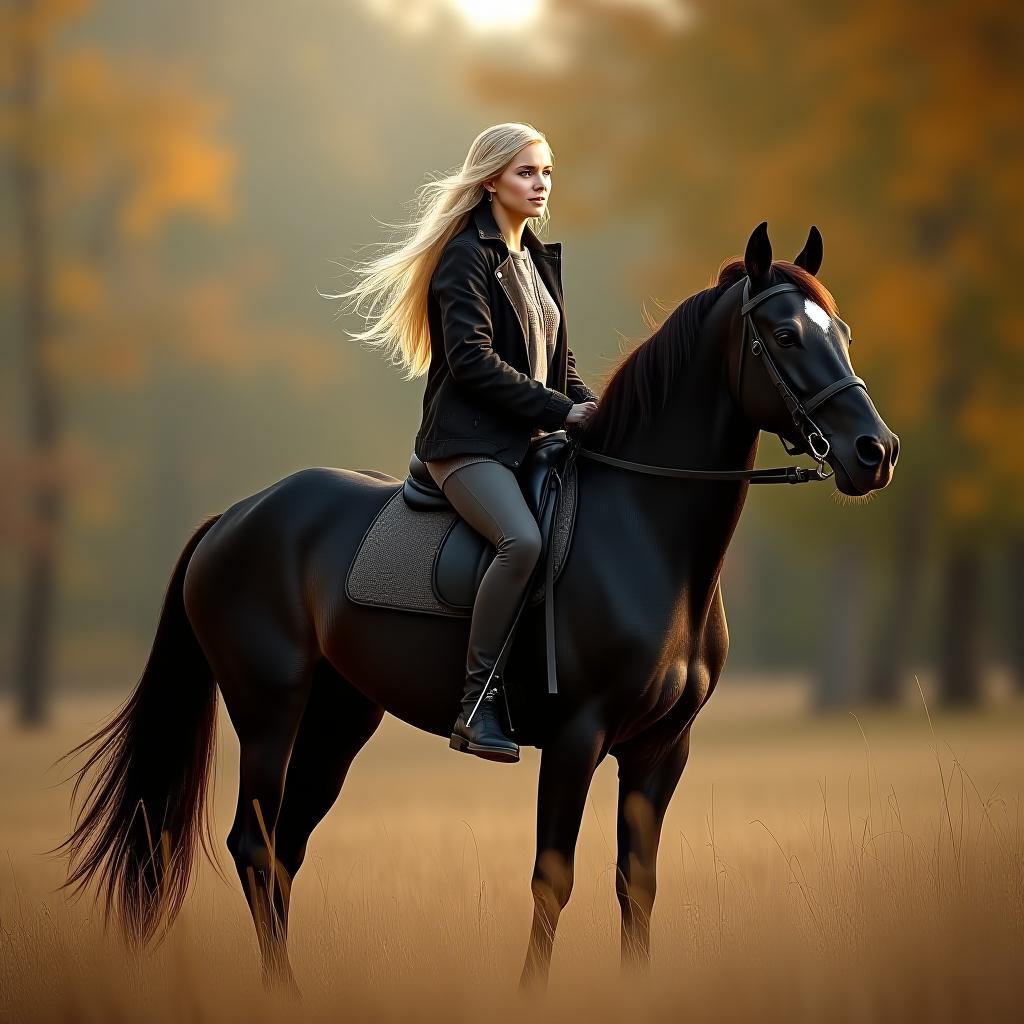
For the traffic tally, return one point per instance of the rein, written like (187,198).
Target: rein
(817,445)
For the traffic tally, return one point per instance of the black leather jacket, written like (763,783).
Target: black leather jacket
(479,395)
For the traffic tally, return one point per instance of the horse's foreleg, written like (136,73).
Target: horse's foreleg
(645,789)
(567,767)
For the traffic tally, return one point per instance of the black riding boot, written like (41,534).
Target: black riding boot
(484,735)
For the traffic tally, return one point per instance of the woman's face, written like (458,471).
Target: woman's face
(524,186)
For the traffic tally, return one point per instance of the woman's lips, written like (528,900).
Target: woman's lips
(537,199)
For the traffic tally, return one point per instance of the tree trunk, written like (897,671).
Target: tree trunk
(46,498)
(1014,613)
(960,641)
(841,670)
(891,651)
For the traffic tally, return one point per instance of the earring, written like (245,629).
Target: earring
(490,196)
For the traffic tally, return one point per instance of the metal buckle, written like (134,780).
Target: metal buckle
(819,455)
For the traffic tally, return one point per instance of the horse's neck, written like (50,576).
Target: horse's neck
(700,428)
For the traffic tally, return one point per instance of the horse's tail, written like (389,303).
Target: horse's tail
(136,833)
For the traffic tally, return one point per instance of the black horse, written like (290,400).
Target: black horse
(256,606)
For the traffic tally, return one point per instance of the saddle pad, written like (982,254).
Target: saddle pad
(395,560)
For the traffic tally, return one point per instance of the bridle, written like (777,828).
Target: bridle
(817,444)
(799,411)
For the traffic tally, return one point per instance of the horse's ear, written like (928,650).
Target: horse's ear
(758,257)
(812,252)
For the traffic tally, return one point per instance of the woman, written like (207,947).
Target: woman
(474,300)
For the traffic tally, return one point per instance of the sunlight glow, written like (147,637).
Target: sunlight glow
(488,14)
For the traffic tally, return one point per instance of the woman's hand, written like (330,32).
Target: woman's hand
(580,413)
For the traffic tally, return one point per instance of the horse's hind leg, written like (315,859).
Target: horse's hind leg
(265,699)
(337,723)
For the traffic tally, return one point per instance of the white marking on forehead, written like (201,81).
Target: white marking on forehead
(818,315)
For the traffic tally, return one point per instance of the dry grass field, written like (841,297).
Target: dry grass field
(850,868)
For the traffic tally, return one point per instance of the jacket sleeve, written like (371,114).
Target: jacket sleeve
(461,283)
(577,390)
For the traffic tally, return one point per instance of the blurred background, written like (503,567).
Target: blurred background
(182,178)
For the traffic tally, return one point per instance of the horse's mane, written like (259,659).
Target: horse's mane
(640,384)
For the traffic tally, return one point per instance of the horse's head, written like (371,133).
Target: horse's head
(791,374)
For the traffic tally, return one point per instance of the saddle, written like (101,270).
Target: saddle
(420,555)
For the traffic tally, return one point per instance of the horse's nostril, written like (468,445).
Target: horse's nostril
(895,450)
(870,451)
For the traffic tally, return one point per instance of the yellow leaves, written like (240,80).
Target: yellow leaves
(965,498)
(982,420)
(94,474)
(1009,326)
(992,423)
(116,358)
(116,339)
(78,289)
(969,255)
(180,167)
(28,28)
(137,133)
(900,314)
(88,77)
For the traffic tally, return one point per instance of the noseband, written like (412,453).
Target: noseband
(817,444)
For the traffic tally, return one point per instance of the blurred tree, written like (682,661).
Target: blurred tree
(102,154)
(897,129)
(1014,571)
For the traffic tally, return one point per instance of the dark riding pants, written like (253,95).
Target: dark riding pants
(488,497)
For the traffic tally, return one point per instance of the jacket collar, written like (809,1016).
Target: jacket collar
(487,227)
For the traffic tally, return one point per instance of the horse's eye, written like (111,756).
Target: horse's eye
(785,337)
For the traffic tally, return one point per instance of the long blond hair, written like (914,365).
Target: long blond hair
(395,284)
